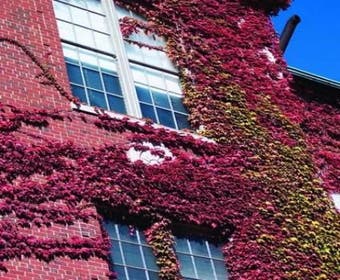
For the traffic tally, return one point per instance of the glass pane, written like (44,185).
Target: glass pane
(133,51)
(74,74)
(156,79)
(115,252)
(116,104)
(88,59)
(182,121)
(110,229)
(173,84)
(79,16)
(98,22)
(61,11)
(165,117)
(148,112)
(136,274)
(181,245)
(94,5)
(199,247)
(128,234)
(186,265)
(221,270)
(79,3)
(84,36)
(204,268)
(66,31)
(153,275)
(177,104)
(97,99)
(103,42)
(216,251)
(132,255)
(143,94)
(92,79)
(150,259)
(112,84)
(161,99)
(138,75)
(79,92)
(120,271)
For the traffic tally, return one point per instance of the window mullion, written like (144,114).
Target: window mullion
(125,73)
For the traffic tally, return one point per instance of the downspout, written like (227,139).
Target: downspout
(288,32)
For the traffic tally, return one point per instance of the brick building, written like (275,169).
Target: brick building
(105,173)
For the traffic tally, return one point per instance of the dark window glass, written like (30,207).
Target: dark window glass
(165,117)
(186,265)
(161,99)
(144,95)
(92,79)
(74,74)
(182,121)
(148,112)
(97,99)
(112,84)
(116,104)
(79,92)
(136,274)
(177,104)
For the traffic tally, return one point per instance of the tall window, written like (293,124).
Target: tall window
(119,75)
(132,257)
(200,259)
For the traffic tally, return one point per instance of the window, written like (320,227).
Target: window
(200,259)
(132,257)
(116,74)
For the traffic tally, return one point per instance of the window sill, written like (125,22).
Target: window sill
(97,111)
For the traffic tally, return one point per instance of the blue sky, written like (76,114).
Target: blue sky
(315,45)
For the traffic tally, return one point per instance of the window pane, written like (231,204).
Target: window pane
(66,31)
(143,94)
(136,274)
(216,252)
(186,265)
(92,79)
(102,41)
(199,247)
(61,11)
(161,99)
(204,268)
(79,16)
(182,121)
(177,104)
(116,104)
(127,234)
(94,5)
(74,74)
(150,259)
(112,84)
(181,245)
(84,36)
(98,22)
(115,252)
(153,275)
(132,255)
(148,112)
(120,271)
(110,229)
(165,117)
(97,99)
(79,92)
(221,270)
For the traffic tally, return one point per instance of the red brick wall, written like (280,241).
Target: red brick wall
(32,24)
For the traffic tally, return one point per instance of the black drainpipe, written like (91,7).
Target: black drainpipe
(288,32)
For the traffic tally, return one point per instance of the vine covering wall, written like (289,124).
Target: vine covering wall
(261,188)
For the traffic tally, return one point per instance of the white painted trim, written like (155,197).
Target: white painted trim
(125,73)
